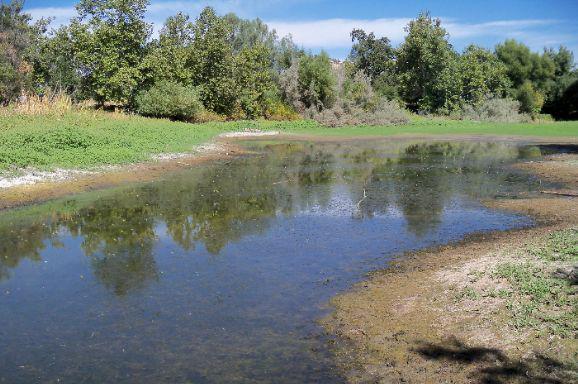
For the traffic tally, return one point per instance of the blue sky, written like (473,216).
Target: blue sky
(325,24)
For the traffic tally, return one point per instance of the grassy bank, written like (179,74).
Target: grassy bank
(85,139)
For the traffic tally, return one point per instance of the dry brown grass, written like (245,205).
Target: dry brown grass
(34,105)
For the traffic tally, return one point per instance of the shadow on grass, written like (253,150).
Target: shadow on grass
(493,366)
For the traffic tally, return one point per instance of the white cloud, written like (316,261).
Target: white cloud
(60,15)
(334,33)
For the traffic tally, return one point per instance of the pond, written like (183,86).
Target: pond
(218,274)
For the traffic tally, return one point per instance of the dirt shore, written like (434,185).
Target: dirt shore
(75,182)
(433,316)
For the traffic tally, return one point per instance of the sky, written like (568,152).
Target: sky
(326,24)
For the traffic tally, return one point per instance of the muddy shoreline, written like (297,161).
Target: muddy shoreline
(403,323)
(107,177)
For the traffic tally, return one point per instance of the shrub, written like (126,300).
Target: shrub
(170,100)
(289,86)
(343,113)
(531,100)
(316,81)
(495,109)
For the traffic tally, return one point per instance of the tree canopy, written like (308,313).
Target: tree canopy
(239,68)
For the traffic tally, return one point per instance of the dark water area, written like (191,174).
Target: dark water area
(217,274)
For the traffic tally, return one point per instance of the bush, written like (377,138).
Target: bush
(531,100)
(170,100)
(316,81)
(343,113)
(495,109)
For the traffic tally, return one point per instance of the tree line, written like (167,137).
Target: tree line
(217,67)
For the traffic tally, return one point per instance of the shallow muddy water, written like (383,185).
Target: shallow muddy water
(217,274)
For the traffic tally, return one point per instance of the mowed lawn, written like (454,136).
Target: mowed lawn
(86,139)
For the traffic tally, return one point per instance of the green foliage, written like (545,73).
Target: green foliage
(213,63)
(531,100)
(84,139)
(375,57)
(55,67)
(560,246)
(483,76)
(535,77)
(246,34)
(254,80)
(169,57)
(16,37)
(427,66)
(518,60)
(541,298)
(109,38)
(241,69)
(316,81)
(170,100)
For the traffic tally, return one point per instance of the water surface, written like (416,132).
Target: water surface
(217,274)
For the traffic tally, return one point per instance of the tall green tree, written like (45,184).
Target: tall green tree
(524,65)
(169,58)
(428,67)
(110,41)
(316,81)
(483,75)
(213,62)
(56,67)
(374,56)
(253,73)
(561,100)
(249,33)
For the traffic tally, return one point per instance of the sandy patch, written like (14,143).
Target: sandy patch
(249,133)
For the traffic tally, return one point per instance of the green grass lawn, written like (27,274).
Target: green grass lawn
(86,139)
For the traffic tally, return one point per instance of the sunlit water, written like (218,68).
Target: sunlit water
(217,274)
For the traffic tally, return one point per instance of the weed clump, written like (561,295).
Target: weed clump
(495,110)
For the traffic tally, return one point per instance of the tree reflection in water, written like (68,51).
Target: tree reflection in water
(226,201)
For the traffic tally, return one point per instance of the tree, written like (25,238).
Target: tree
(56,65)
(524,65)
(563,60)
(213,63)
(245,34)
(531,100)
(110,39)
(518,60)
(375,57)
(169,58)
(428,67)
(316,81)
(561,98)
(483,75)
(16,35)
(254,79)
